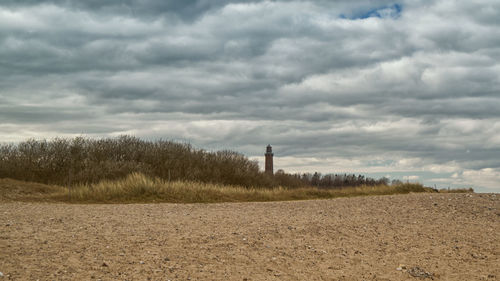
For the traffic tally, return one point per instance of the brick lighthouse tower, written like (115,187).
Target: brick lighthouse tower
(269,160)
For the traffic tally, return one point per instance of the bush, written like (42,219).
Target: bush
(80,160)
(84,161)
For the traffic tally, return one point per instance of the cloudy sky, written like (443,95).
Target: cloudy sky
(407,89)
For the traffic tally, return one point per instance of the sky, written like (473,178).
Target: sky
(409,90)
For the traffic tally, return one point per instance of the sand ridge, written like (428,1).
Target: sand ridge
(449,236)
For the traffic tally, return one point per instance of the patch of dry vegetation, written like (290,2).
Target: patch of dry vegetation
(128,169)
(15,190)
(86,161)
(80,160)
(138,188)
(457,190)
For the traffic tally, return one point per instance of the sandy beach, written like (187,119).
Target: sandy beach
(402,237)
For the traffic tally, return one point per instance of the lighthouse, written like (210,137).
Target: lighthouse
(269,160)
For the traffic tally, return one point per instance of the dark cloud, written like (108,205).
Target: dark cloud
(35,114)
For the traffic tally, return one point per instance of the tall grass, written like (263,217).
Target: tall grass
(14,190)
(457,190)
(140,188)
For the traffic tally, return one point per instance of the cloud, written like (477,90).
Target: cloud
(400,88)
(411,178)
(392,11)
(487,179)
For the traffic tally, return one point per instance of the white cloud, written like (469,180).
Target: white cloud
(411,178)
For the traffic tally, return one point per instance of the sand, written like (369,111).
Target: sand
(430,236)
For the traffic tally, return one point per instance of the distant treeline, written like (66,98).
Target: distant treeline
(334,180)
(83,161)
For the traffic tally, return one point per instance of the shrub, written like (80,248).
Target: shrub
(83,161)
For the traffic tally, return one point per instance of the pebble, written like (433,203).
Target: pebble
(1,274)
(420,273)
(141,262)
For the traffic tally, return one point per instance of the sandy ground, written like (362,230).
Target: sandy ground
(434,236)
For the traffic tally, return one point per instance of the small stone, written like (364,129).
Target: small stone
(420,273)
(1,274)
(166,259)
(104,264)
(141,262)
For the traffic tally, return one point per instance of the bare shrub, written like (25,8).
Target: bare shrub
(83,161)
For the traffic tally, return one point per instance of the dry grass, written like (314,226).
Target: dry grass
(457,190)
(138,188)
(14,190)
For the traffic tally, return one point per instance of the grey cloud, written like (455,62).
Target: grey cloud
(422,85)
(438,108)
(186,8)
(34,114)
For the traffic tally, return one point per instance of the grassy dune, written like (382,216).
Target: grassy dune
(15,190)
(137,188)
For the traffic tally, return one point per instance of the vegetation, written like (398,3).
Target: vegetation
(14,190)
(456,190)
(333,180)
(128,169)
(81,160)
(140,188)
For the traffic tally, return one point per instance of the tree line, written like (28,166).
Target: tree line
(82,160)
(336,180)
